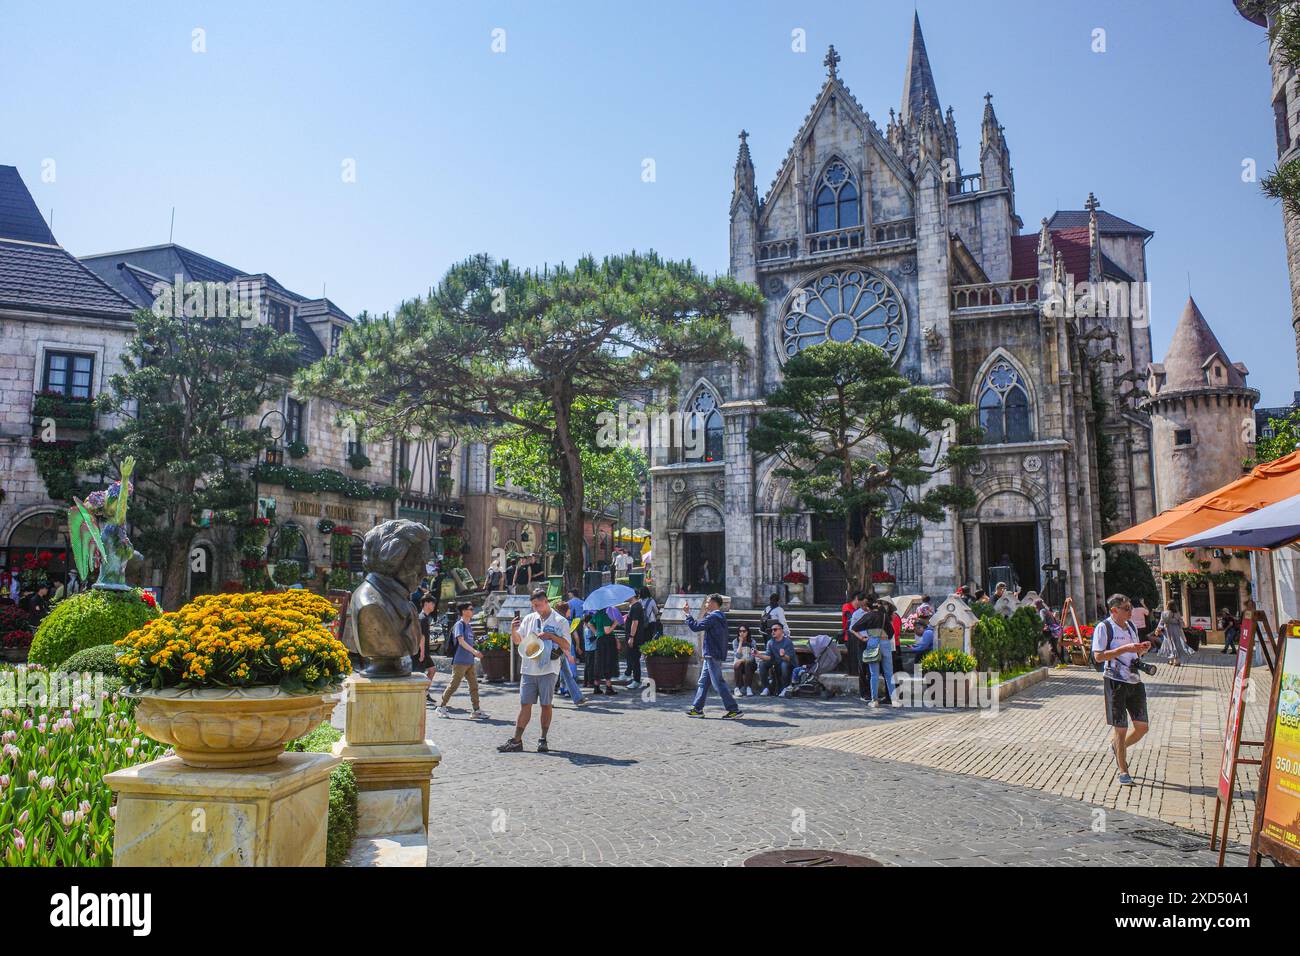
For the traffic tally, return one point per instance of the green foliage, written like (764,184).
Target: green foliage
(190,385)
(342,823)
(668,647)
(72,756)
(287,573)
(1107,492)
(340,579)
(492,340)
(983,609)
(319,741)
(297,449)
(493,641)
(85,620)
(326,479)
(95,660)
(1025,631)
(1126,573)
(1284,440)
(947,662)
(991,641)
(855,437)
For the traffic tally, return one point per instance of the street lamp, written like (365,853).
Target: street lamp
(273,454)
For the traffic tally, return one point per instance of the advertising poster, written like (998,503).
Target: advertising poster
(1281,820)
(1227,764)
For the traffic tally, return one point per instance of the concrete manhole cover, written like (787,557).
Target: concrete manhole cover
(810,858)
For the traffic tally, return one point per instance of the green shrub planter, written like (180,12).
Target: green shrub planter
(89,619)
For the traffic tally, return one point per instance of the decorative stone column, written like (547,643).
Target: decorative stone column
(172,815)
(384,741)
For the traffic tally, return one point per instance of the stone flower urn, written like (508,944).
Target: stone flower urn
(229,728)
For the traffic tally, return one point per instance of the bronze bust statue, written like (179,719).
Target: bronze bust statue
(383,621)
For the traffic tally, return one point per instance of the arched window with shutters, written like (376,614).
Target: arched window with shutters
(1005,406)
(836,200)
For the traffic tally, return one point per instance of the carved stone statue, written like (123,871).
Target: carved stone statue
(382,620)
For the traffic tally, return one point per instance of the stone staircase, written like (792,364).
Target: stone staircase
(805,620)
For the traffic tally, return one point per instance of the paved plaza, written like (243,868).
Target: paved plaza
(635,782)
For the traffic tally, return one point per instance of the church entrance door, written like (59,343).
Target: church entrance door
(703,557)
(1015,545)
(829,582)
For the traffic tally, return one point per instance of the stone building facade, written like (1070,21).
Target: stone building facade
(310,436)
(61,334)
(880,235)
(1286,125)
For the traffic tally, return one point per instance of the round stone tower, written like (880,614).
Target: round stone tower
(1202,414)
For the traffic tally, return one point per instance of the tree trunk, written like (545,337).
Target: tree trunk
(571,490)
(176,572)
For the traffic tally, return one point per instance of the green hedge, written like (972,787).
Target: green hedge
(96,660)
(342,825)
(1003,643)
(89,619)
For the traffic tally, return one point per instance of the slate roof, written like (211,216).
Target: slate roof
(19,217)
(918,79)
(36,273)
(1107,224)
(1193,346)
(134,272)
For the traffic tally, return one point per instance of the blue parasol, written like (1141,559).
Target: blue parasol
(608,596)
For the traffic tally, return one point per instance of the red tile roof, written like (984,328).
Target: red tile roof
(1072,244)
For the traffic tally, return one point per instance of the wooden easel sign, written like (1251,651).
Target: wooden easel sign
(1276,831)
(1232,741)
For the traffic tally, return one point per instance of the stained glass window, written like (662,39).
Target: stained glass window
(703,411)
(836,200)
(1004,406)
(850,306)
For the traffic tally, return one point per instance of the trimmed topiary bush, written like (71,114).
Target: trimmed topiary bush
(86,620)
(96,660)
(1127,574)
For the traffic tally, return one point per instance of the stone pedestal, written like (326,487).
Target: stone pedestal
(172,815)
(384,741)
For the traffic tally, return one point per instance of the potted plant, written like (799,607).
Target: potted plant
(883,582)
(229,679)
(794,584)
(287,573)
(666,659)
(14,645)
(495,646)
(955,691)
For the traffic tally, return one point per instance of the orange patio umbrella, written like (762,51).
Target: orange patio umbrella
(1266,484)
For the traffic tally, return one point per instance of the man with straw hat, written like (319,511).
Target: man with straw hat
(542,638)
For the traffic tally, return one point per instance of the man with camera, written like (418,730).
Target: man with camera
(542,638)
(1118,648)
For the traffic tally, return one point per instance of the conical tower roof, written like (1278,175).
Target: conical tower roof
(1192,351)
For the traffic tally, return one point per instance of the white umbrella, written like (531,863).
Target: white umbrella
(1272,526)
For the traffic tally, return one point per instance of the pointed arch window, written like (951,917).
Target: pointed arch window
(1004,406)
(835,203)
(703,416)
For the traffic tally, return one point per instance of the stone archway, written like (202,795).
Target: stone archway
(704,549)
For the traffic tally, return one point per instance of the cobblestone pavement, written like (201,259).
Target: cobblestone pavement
(632,782)
(1052,737)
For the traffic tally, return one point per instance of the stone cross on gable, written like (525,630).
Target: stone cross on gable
(1092,204)
(744,135)
(832,60)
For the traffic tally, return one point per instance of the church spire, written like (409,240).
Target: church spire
(744,168)
(918,81)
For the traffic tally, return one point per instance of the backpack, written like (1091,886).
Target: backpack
(450,642)
(1100,666)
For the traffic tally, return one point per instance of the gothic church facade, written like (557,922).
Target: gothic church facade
(882,236)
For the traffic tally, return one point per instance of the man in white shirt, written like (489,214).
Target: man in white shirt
(622,563)
(537,674)
(1116,644)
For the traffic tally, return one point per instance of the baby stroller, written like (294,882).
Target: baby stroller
(805,682)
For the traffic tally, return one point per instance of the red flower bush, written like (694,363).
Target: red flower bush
(1084,631)
(795,577)
(16,640)
(13,618)
(882,577)
(148,598)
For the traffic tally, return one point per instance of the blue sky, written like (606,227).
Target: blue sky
(535,154)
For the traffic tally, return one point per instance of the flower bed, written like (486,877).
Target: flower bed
(55,809)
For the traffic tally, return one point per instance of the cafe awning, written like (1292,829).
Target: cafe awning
(1271,527)
(1266,484)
